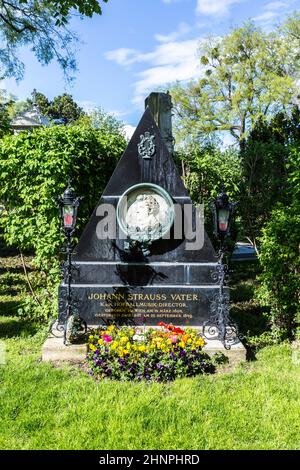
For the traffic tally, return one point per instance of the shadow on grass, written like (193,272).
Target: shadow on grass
(9,308)
(15,327)
(14,269)
(245,310)
(6,252)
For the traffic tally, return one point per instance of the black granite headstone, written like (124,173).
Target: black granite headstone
(170,283)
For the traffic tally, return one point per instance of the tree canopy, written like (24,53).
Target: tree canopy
(42,25)
(62,109)
(247,75)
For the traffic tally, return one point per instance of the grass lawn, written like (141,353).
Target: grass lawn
(257,406)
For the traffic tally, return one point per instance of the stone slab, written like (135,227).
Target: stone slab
(54,350)
(235,355)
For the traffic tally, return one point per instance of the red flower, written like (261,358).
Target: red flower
(178,331)
(161,323)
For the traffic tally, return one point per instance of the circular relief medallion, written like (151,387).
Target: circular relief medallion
(145,212)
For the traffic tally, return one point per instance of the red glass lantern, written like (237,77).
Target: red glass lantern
(222,212)
(68,215)
(68,209)
(223,220)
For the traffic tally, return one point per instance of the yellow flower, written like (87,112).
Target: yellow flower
(128,346)
(100,341)
(124,340)
(110,328)
(91,337)
(92,347)
(181,344)
(142,348)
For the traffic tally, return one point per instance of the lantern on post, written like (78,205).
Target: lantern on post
(222,210)
(68,205)
(220,326)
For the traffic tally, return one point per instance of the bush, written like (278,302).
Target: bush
(206,167)
(154,355)
(34,168)
(280,256)
(280,261)
(265,158)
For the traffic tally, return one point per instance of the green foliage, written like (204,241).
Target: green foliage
(98,119)
(293,165)
(263,175)
(6,103)
(206,167)
(270,213)
(245,309)
(266,169)
(62,109)
(292,29)
(34,168)
(40,100)
(249,74)
(43,27)
(65,109)
(84,7)
(280,261)
(5,120)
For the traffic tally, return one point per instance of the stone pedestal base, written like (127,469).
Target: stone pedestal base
(54,350)
(235,355)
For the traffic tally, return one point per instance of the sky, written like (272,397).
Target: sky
(139,46)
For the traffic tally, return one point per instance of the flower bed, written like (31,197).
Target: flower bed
(162,354)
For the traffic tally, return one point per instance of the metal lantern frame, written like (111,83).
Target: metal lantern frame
(68,313)
(220,326)
(69,199)
(222,203)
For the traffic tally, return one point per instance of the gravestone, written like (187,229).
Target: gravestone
(154,268)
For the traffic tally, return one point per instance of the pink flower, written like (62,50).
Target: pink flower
(173,339)
(107,338)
